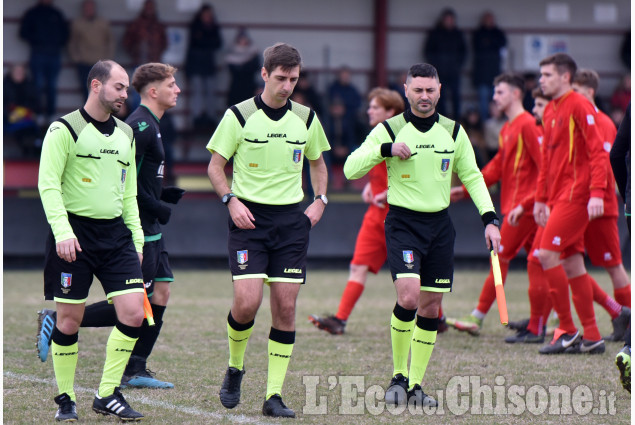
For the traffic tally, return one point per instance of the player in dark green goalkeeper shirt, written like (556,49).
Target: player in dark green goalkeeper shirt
(421,149)
(268,137)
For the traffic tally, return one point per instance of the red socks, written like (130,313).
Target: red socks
(351,294)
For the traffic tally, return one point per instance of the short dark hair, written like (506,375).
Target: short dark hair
(149,73)
(281,55)
(537,92)
(563,63)
(512,79)
(100,71)
(388,99)
(587,78)
(422,70)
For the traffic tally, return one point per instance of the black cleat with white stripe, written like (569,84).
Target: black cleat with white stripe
(116,405)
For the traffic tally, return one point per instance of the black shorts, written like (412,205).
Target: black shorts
(108,253)
(421,245)
(155,266)
(275,250)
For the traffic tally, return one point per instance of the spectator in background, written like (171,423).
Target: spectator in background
(473,126)
(622,94)
(305,91)
(243,61)
(344,103)
(445,49)
(488,43)
(145,38)
(45,29)
(200,66)
(531,83)
(91,40)
(20,103)
(492,128)
(398,85)
(625,50)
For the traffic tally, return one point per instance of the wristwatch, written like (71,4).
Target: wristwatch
(322,198)
(496,222)
(227,197)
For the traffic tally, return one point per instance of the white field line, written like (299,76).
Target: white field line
(239,419)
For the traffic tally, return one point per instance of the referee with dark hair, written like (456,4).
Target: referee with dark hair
(421,149)
(268,136)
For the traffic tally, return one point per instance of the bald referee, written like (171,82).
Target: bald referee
(268,136)
(421,149)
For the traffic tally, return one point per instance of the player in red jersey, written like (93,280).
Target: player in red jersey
(516,166)
(569,194)
(370,247)
(601,239)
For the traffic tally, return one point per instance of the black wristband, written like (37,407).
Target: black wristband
(489,217)
(386,150)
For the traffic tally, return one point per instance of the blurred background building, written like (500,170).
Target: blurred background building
(375,41)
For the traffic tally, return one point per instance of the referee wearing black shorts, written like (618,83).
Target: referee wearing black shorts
(268,137)
(87,183)
(421,149)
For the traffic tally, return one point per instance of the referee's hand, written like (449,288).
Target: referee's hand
(401,150)
(67,250)
(240,214)
(492,237)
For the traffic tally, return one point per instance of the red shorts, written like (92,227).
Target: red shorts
(565,228)
(515,237)
(602,242)
(370,248)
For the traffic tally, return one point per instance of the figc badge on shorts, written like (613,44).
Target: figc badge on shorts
(408,257)
(241,256)
(297,155)
(67,280)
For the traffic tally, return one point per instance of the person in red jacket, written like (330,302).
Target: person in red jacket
(601,239)
(515,166)
(569,194)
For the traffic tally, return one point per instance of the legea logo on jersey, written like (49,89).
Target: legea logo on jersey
(445,165)
(556,240)
(143,125)
(297,155)
(67,280)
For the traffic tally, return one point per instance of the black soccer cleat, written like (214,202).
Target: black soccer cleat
(560,345)
(417,397)
(116,405)
(525,337)
(397,391)
(67,410)
(329,323)
(230,390)
(276,408)
(620,325)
